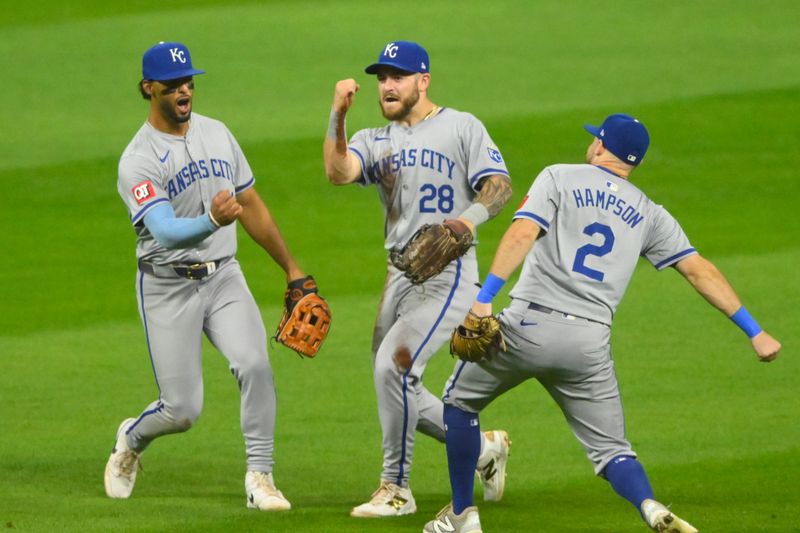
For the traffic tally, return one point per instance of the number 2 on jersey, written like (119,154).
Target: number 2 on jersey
(593,249)
(433,198)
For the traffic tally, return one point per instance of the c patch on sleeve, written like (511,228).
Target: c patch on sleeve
(143,192)
(494,154)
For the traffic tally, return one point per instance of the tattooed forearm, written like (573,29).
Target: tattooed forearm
(494,194)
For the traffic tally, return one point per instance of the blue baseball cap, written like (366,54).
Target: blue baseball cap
(403,55)
(624,136)
(167,61)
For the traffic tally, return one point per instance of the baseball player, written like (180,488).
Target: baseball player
(430,165)
(185,181)
(590,225)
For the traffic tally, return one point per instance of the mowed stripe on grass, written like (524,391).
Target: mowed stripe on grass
(716,430)
(696,401)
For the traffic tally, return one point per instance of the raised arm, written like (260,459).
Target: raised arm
(712,285)
(341,165)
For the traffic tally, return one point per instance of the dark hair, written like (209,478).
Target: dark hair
(142,91)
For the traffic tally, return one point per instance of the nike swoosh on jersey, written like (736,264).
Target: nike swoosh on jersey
(523,323)
(381,139)
(164,159)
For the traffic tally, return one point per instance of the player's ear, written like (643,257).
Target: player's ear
(146,88)
(594,150)
(423,81)
(599,148)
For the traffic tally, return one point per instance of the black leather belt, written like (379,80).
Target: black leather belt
(195,271)
(547,310)
(541,308)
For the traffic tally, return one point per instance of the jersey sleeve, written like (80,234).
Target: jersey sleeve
(243,178)
(482,156)
(541,202)
(665,243)
(140,186)
(361,146)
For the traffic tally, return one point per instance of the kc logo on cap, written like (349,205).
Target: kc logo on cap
(168,61)
(177,55)
(390,50)
(402,55)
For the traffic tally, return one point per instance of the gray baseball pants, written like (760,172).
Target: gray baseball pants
(571,357)
(413,323)
(175,313)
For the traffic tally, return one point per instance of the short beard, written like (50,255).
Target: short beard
(406,105)
(171,115)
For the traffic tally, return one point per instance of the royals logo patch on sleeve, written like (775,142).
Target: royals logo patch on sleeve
(494,154)
(143,192)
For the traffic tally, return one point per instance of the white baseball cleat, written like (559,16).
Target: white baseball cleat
(492,465)
(262,494)
(122,466)
(661,519)
(388,500)
(449,522)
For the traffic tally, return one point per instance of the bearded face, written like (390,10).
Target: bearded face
(396,106)
(398,93)
(175,99)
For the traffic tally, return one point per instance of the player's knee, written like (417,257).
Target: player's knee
(402,358)
(184,424)
(252,368)
(186,419)
(391,366)
(185,414)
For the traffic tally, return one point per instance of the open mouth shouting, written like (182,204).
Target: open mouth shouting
(184,105)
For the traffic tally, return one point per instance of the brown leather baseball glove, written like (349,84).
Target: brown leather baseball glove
(477,338)
(431,249)
(306,318)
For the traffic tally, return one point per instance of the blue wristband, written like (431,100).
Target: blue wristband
(491,286)
(747,324)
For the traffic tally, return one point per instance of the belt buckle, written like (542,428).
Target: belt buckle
(203,270)
(191,269)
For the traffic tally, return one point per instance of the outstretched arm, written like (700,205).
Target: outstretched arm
(517,241)
(341,165)
(259,224)
(712,285)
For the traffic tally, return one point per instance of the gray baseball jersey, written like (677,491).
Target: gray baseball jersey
(187,172)
(596,225)
(425,174)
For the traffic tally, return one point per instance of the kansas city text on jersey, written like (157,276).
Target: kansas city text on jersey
(413,157)
(218,168)
(605,200)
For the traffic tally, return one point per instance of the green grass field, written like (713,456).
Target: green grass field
(718,84)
